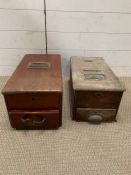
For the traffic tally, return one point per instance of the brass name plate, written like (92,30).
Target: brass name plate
(40,65)
(94,75)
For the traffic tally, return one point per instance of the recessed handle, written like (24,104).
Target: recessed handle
(96,119)
(26,120)
(39,122)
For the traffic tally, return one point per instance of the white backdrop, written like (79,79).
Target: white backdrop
(75,28)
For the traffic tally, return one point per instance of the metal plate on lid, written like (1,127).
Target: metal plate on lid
(86,71)
(94,75)
(41,65)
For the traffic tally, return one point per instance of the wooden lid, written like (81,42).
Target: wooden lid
(36,73)
(93,74)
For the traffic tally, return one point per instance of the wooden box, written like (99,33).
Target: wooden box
(33,94)
(95,91)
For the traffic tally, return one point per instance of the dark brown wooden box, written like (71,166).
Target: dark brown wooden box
(95,91)
(33,94)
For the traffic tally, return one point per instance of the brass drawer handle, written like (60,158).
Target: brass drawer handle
(26,120)
(39,122)
(95,119)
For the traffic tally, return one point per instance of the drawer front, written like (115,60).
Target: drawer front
(95,115)
(34,120)
(32,101)
(98,99)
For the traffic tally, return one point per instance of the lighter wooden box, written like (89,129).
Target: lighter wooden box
(95,91)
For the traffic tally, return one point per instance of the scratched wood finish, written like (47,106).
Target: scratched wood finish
(94,99)
(33,90)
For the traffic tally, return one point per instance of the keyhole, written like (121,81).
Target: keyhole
(99,94)
(33,99)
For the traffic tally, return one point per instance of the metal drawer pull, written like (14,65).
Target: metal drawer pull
(39,122)
(27,120)
(95,119)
